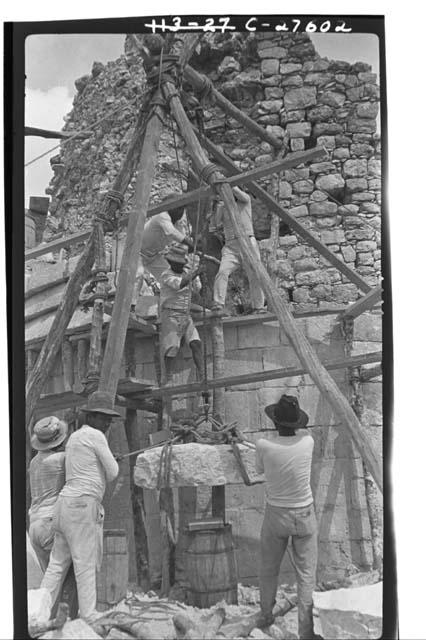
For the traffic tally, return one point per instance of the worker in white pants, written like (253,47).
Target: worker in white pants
(231,256)
(78,515)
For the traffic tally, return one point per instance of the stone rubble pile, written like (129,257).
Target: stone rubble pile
(302,99)
(340,613)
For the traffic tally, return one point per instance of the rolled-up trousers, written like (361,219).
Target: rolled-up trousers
(278,526)
(78,525)
(231,260)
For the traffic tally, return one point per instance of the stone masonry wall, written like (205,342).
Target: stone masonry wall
(337,473)
(303,99)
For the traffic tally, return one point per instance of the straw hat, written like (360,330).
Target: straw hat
(48,433)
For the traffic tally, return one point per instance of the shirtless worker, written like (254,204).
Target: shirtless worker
(176,321)
(79,514)
(231,257)
(286,462)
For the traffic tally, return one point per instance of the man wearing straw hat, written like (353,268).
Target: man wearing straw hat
(286,462)
(47,477)
(176,284)
(78,516)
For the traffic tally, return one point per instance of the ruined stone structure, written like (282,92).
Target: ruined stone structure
(306,101)
(281,82)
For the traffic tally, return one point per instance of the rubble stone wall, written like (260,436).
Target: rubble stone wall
(304,100)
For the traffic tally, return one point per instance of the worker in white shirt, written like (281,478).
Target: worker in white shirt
(286,462)
(176,283)
(78,516)
(231,257)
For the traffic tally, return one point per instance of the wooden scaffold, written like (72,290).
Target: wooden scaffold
(163,97)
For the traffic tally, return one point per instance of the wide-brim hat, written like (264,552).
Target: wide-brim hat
(287,413)
(48,433)
(100,402)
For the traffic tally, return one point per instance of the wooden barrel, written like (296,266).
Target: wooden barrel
(113,576)
(30,232)
(211,568)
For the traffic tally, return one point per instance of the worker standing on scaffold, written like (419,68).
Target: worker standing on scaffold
(231,256)
(176,285)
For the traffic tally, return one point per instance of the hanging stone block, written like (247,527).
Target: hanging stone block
(196,464)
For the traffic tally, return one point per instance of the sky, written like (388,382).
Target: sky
(54,62)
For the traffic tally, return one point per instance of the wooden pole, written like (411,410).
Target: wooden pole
(293,223)
(200,81)
(218,347)
(131,427)
(298,340)
(95,351)
(110,371)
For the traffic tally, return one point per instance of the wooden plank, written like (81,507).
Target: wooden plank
(55,245)
(198,81)
(265,376)
(298,340)
(293,223)
(291,160)
(49,403)
(363,304)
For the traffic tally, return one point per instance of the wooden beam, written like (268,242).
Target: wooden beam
(365,375)
(69,400)
(293,223)
(110,371)
(48,133)
(199,82)
(298,340)
(291,160)
(363,304)
(55,245)
(264,376)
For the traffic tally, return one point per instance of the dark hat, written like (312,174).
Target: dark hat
(177,253)
(287,413)
(100,402)
(48,433)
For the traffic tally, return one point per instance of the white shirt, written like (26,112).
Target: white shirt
(47,477)
(245,219)
(89,464)
(171,295)
(286,463)
(158,232)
